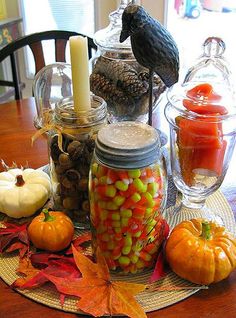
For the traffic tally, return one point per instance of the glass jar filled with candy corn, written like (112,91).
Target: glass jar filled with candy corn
(127,192)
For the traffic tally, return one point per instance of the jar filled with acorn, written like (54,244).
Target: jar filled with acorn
(71,145)
(117,76)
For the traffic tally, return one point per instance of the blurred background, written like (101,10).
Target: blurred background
(189,21)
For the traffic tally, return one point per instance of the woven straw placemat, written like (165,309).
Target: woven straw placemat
(150,301)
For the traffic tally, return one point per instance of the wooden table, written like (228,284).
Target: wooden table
(16,129)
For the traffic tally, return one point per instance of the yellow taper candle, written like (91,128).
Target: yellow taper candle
(80,72)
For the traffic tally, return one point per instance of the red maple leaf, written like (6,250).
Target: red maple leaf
(55,266)
(14,237)
(78,241)
(159,270)
(42,267)
(77,275)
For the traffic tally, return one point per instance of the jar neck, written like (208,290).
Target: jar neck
(65,114)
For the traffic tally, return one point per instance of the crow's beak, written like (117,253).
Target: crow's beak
(124,35)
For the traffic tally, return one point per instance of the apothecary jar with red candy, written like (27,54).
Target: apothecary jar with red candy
(127,193)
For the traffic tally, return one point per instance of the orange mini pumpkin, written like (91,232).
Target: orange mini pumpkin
(201,251)
(51,231)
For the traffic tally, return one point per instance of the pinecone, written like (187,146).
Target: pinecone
(122,75)
(144,76)
(104,87)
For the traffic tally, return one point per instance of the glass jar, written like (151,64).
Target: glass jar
(202,121)
(127,191)
(71,144)
(118,78)
(201,115)
(51,84)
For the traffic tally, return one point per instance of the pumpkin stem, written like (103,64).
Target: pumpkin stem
(206,230)
(19,180)
(48,217)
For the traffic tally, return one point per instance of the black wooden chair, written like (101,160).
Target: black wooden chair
(34,41)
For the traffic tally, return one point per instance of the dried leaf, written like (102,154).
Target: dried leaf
(14,237)
(88,268)
(25,268)
(82,238)
(65,285)
(55,267)
(164,229)
(23,249)
(60,268)
(100,295)
(159,270)
(41,260)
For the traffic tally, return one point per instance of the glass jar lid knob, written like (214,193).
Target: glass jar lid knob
(214,47)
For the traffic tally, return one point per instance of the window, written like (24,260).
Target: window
(191,22)
(70,15)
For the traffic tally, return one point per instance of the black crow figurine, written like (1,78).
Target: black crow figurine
(152,45)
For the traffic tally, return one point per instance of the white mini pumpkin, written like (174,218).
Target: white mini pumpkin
(23,192)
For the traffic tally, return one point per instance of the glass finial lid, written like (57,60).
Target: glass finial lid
(211,66)
(108,38)
(208,83)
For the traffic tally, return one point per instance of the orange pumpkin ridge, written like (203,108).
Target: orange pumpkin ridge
(51,231)
(201,251)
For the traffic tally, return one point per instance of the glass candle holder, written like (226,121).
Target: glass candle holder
(71,144)
(51,84)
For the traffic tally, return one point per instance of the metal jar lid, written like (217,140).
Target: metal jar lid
(127,145)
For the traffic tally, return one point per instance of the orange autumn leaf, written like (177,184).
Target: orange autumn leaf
(27,269)
(99,295)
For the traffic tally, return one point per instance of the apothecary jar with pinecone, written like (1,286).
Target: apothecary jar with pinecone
(118,78)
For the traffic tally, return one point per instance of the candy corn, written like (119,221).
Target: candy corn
(124,205)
